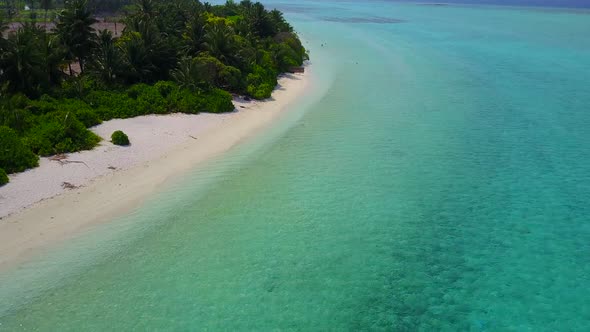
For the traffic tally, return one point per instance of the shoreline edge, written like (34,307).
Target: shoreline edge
(26,230)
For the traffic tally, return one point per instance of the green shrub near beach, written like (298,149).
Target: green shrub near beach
(49,125)
(59,132)
(3,177)
(148,99)
(120,138)
(80,109)
(217,101)
(175,56)
(112,104)
(14,155)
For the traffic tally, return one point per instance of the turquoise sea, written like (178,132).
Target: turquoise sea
(436,177)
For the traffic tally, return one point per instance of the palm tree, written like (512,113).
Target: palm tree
(278,21)
(246,5)
(11,8)
(75,30)
(21,62)
(145,8)
(158,52)
(32,9)
(53,54)
(187,74)
(219,42)
(173,16)
(3,29)
(106,62)
(257,18)
(46,5)
(230,8)
(136,58)
(194,35)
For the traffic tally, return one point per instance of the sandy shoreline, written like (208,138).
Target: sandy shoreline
(36,211)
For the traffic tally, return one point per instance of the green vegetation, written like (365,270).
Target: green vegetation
(31,10)
(173,56)
(120,138)
(14,155)
(3,177)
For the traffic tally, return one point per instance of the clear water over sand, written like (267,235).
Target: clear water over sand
(437,178)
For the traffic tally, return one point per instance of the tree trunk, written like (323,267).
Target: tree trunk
(70,66)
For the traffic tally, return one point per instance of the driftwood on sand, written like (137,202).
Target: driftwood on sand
(67,185)
(63,159)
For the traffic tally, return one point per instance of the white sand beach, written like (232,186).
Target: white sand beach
(58,199)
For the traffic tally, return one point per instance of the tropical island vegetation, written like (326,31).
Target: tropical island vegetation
(172,56)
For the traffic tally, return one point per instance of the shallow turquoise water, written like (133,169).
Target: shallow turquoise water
(436,178)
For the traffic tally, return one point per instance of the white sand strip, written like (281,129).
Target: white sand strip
(37,210)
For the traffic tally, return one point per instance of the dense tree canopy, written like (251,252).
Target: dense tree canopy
(173,55)
(74,28)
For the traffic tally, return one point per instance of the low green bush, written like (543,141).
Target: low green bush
(42,106)
(139,99)
(88,117)
(211,101)
(18,119)
(288,51)
(261,82)
(165,88)
(120,138)
(60,132)
(3,177)
(262,91)
(230,78)
(81,109)
(148,99)
(14,155)
(78,87)
(110,105)
(185,101)
(217,101)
